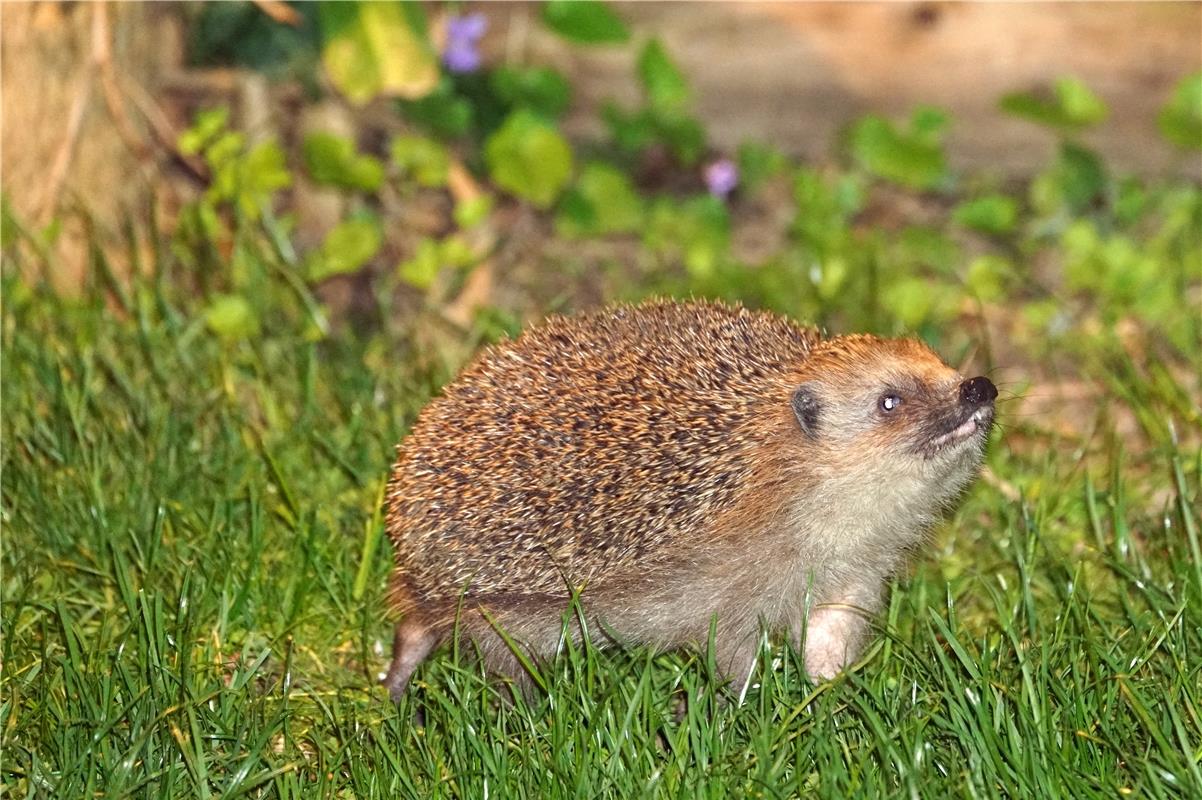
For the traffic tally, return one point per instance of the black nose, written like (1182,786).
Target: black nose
(977,391)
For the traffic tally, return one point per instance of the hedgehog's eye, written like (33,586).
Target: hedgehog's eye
(889,402)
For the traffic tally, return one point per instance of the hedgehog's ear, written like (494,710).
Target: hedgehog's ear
(806,407)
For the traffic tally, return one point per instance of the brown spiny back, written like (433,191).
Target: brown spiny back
(588,445)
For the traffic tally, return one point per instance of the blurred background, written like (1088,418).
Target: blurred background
(988,175)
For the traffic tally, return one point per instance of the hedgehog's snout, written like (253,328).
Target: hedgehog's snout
(977,391)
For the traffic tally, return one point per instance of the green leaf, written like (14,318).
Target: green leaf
(372,48)
(224,149)
(994,213)
(913,301)
(1080,176)
(1130,200)
(697,231)
(529,158)
(603,201)
(261,172)
(421,270)
(470,213)
(443,111)
(1076,182)
(332,160)
(911,159)
(457,253)
(425,160)
(541,89)
(631,131)
(240,34)
(245,180)
(1071,105)
(350,245)
(663,82)
(684,136)
(1080,104)
(1115,267)
(928,124)
(1180,120)
(919,247)
(829,277)
(664,118)
(430,259)
(585,21)
(231,317)
(758,162)
(989,276)
(205,128)
(824,211)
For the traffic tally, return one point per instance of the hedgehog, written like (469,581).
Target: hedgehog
(692,474)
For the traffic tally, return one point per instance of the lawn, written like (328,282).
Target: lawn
(193,575)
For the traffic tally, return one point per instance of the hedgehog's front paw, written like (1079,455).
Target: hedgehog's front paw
(832,641)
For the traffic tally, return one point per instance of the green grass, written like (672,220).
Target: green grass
(193,604)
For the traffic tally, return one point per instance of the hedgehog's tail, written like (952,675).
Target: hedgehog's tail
(410,646)
(413,640)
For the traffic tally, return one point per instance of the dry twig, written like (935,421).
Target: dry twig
(102,59)
(477,290)
(163,130)
(66,150)
(280,12)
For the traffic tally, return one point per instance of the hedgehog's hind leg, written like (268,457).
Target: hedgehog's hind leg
(411,644)
(512,637)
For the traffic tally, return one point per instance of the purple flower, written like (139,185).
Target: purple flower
(462,53)
(721,177)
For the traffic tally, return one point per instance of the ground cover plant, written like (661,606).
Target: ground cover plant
(193,459)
